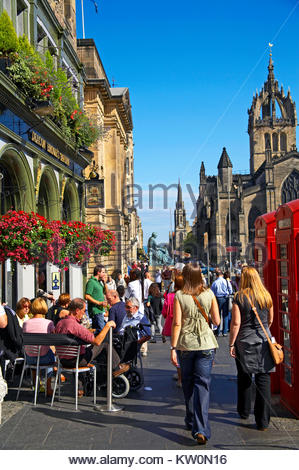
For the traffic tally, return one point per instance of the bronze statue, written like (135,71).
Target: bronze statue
(158,255)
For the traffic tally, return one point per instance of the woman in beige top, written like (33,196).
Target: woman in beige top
(194,342)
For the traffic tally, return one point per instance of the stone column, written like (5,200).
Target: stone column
(3,392)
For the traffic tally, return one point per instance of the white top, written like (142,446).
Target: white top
(146,284)
(111,285)
(134,289)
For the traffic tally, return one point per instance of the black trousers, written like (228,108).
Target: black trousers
(262,395)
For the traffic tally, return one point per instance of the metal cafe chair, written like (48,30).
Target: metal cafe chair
(34,350)
(69,352)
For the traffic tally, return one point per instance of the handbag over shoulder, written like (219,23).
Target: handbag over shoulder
(200,308)
(275,348)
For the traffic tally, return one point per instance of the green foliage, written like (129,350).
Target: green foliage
(25,46)
(29,73)
(38,78)
(8,37)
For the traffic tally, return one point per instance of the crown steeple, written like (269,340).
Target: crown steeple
(272,121)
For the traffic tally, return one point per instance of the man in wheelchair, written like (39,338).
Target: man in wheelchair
(134,330)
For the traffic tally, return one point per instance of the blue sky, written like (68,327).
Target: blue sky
(192,68)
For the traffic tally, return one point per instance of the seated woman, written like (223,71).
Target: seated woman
(38,324)
(22,310)
(60,309)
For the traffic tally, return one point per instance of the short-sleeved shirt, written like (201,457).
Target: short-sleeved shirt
(221,287)
(71,326)
(38,325)
(195,334)
(95,289)
(117,313)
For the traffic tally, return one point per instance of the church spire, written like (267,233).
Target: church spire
(271,69)
(224,161)
(179,203)
(202,174)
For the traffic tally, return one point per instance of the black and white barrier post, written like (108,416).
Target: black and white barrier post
(109,407)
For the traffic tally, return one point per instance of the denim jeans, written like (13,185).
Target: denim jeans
(196,367)
(223,310)
(98,323)
(46,359)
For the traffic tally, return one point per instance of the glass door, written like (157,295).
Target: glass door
(284,312)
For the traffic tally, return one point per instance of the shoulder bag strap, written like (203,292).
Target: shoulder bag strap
(258,317)
(200,308)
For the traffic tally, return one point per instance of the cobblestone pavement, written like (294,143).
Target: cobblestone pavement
(152,418)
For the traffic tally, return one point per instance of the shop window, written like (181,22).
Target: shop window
(7,6)
(22,17)
(41,39)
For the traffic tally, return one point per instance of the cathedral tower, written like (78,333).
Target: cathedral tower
(180,225)
(272,122)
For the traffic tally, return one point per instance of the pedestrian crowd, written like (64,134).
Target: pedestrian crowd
(179,306)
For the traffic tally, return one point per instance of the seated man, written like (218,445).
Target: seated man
(117,311)
(133,318)
(71,325)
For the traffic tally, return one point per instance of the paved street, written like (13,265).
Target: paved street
(151,419)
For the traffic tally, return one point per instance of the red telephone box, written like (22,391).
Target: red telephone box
(287,243)
(265,259)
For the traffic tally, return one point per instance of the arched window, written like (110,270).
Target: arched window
(275,142)
(267,140)
(290,188)
(283,142)
(253,214)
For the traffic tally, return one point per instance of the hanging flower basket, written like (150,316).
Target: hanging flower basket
(29,239)
(24,237)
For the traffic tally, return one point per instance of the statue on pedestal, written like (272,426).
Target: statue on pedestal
(157,255)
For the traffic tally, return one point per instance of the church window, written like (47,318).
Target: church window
(253,214)
(283,142)
(290,188)
(278,110)
(267,140)
(275,142)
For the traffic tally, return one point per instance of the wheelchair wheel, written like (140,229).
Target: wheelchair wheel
(120,387)
(135,379)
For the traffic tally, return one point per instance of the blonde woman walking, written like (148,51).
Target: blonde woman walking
(249,346)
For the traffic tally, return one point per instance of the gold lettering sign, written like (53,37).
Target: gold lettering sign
(38,140)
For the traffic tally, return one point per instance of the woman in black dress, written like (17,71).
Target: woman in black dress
(249,346)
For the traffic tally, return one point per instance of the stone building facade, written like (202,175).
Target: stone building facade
(113,158)
(40,172)
(273,178)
